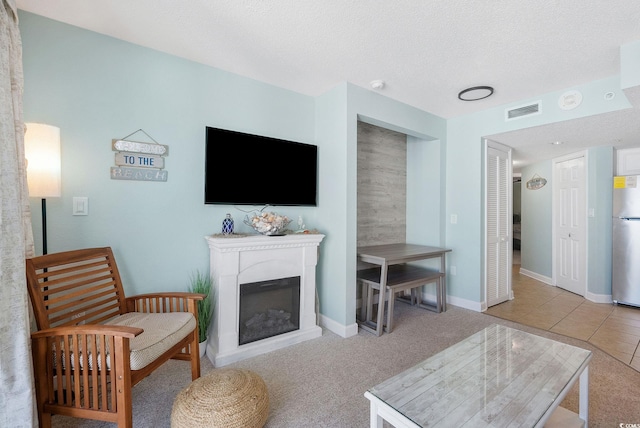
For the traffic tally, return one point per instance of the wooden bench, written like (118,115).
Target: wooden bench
(93,344)
(400,278)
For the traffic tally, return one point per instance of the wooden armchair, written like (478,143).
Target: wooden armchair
(92,343)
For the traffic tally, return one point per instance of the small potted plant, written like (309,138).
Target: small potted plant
(202,284)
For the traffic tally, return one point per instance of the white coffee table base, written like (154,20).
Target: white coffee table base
(382,411)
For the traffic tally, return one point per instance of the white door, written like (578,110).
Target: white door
(498,209)
(570,224)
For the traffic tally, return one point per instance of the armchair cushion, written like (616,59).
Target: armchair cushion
(161,332)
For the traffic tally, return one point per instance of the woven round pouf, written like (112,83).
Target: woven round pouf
(229,398)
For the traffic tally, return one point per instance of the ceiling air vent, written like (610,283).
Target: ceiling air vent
(523,111)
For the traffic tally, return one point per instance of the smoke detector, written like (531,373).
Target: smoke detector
(570,100)
(377,84)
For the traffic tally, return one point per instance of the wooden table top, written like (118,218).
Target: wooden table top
(398,253)
(499,376)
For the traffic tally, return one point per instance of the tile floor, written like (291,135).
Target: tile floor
(613,329)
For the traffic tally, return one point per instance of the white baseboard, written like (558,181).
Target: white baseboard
(464,303)
(592,297)
(337,328)
(455,301)
(537,276)
(599,298)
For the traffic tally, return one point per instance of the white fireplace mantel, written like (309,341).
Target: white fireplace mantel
(246,259)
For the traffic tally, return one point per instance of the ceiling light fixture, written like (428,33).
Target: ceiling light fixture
(475,93)
(377,84)
(556,143)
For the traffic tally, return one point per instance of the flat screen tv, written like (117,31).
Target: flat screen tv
(246,169)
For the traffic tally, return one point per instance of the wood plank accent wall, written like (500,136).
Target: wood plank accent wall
(382,186)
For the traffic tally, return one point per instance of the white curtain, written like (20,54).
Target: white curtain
(17,400)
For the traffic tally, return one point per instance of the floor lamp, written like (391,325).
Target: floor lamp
(42,150)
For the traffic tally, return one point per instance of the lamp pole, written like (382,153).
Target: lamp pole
(44,226)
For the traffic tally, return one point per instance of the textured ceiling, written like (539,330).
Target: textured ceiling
(426,51)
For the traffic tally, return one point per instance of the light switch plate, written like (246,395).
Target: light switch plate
(80,205)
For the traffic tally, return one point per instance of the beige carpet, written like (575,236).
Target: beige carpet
(320,383)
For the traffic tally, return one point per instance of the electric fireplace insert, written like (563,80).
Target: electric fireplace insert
(268,308)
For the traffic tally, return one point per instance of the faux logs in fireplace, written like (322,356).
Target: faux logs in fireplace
(268,308)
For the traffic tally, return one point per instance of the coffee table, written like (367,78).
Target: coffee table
(499,376)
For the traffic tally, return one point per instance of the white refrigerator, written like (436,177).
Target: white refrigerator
(625,285)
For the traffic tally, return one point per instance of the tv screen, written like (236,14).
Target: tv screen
(245,169)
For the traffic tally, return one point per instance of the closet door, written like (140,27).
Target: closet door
(498,200)
(570,223)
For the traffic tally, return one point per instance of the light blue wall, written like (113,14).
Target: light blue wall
(336,300)
(96,88)
(600,199)
(537,221)
(425,193)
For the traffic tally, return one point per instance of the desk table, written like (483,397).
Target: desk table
(499,376)
(393,254)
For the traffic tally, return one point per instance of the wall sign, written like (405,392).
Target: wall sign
(136,146)
(536,182)
(139,161)
(138,174)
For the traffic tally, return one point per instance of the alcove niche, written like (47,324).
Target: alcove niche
(399,189)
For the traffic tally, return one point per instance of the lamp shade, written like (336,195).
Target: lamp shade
(42,150)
